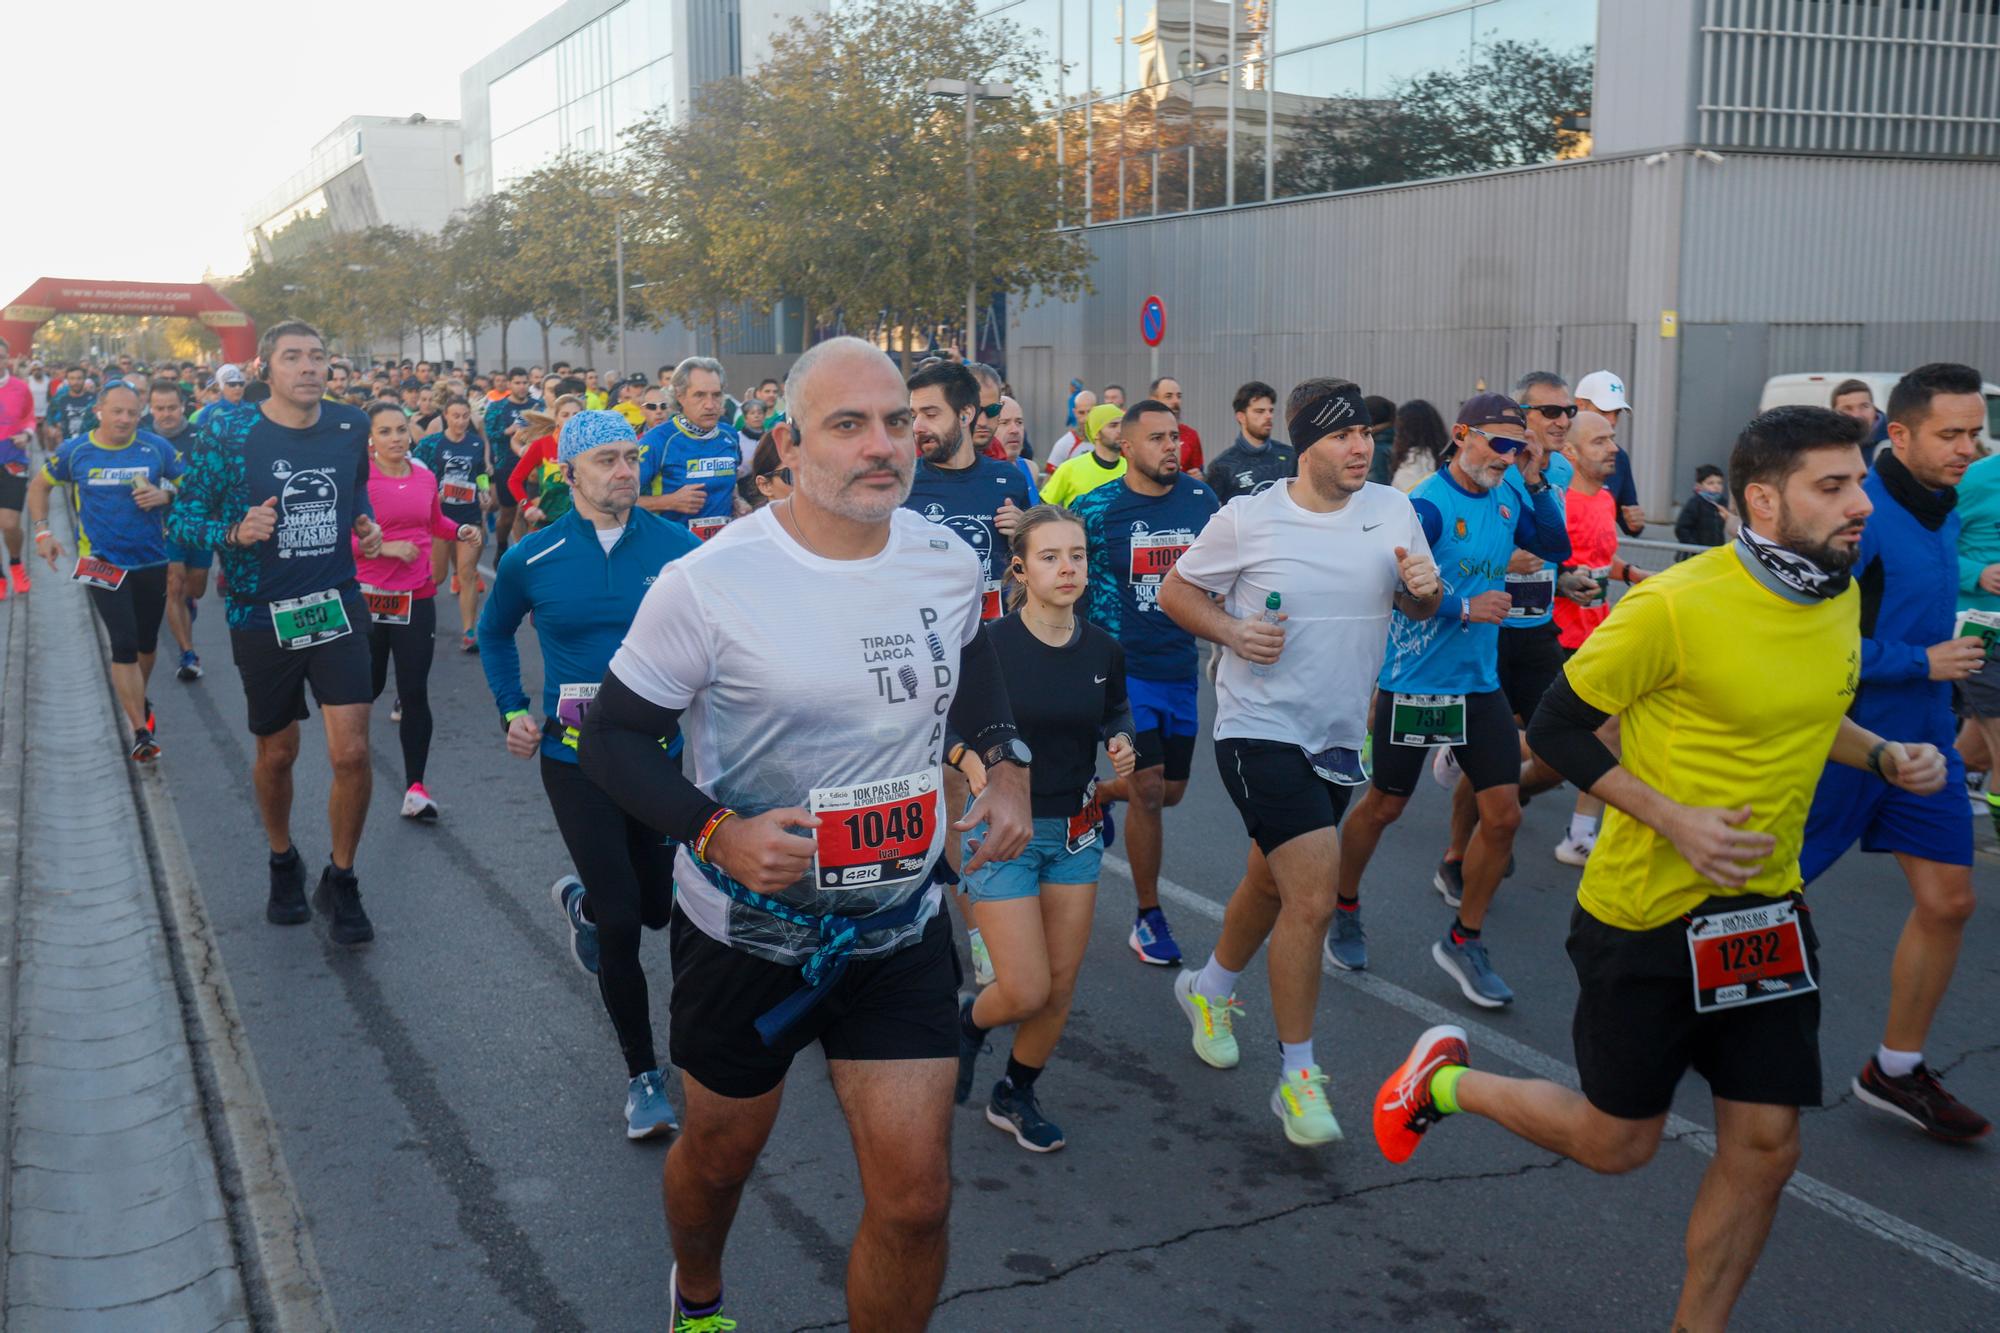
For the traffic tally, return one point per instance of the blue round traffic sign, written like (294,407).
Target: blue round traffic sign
(1153,320)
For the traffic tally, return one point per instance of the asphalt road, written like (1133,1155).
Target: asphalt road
(450,1099)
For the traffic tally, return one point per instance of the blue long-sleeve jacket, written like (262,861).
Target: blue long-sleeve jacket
(1908,573)
(583,599)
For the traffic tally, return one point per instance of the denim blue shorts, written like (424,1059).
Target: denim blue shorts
(1045,860)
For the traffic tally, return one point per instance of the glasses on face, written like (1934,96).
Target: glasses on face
(653,407)
(783,474)
(989,410)
(1499,444)
(1553,410)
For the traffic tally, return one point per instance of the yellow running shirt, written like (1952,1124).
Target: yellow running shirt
(1079,476)
(1729,696)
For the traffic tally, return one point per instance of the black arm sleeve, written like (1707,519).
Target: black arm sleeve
(1564,733)
(622,748)
(980,711)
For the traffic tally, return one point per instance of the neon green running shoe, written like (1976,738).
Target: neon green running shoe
(1299,1101)
(1214,1022)
(982,962)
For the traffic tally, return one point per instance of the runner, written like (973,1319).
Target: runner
(401,593)
(1744,650)
(458,458)
(1103,461)
(187,570)
(581,578)
(1138,526)
(1307,571)
(17,432)
(1255,462)
(1166,389)
(1529,653)
(1590,511)
(1910,657)
(1071,442)
(767,480)
(278,487)
(1067,679)
(70,407)
(121,479)
(1010,433)
(690,460)
(231,384)
(819,649)
(978,499)
(1440,682)
(507,437)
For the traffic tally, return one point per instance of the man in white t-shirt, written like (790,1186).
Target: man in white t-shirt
(816,652)
(1307,572)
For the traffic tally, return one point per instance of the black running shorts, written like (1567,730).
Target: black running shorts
(274,678)
(1491,755)
(1637,1032)
(1529,661)
(903,1006)
(13,491)
(131,612)
(1277,791)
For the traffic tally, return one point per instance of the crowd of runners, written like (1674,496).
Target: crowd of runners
(841,667)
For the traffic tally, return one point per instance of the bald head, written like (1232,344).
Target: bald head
(825,365)
(1592,446)
(1085,400)
(851,445)
(1010,427)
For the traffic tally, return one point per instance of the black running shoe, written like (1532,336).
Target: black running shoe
(1919,1098)
(288,892)
(144,748)
(968,1051)
(339,898)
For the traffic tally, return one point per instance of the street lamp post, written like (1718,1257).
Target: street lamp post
(973,93)
(618,230)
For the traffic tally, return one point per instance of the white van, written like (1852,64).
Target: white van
(1816,390)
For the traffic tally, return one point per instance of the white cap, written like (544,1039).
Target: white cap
(1604,389)
(230,375)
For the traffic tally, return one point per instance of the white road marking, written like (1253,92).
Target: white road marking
(1815,1193)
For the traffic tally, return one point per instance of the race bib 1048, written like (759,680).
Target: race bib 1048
(874,833)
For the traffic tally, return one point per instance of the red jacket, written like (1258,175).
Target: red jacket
(1190,450)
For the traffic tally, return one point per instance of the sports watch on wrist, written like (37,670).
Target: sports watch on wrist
(1012,750)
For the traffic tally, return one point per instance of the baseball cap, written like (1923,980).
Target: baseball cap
(587,430)
(1603,388)
(1491,409)
(231,374)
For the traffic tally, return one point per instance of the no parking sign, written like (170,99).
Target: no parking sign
(1152,320)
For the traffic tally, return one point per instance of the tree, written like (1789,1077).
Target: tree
(688,184)
(565,245)
(1505,109)
(855,194)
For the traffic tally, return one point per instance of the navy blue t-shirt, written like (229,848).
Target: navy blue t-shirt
(1134,541)
(965,500)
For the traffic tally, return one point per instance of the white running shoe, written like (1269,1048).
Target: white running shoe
(1573,853)
(417,803)
(1444,766)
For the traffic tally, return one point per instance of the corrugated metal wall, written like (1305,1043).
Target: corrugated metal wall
(1420,291)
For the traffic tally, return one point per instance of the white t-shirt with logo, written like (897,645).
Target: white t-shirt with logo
(1334,575)
(818,683)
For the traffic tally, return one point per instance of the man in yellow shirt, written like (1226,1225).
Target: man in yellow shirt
(1731,675)
(1103,461)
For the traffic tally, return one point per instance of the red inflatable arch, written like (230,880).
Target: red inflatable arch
(48,297)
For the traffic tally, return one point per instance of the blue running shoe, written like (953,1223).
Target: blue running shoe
(190,667)
(1468,965)
(1016,1111)
(1347,943)
(567,893)
(1153,940)
(647,1110)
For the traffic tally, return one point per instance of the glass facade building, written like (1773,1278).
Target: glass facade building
(1170,106)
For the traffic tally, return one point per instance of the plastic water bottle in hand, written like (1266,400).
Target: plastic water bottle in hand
(1270,617)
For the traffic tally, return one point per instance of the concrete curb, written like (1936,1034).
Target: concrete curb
(13,771)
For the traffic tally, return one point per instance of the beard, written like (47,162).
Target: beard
(938,449)
(833,489)
(1823,551)
(1170,468)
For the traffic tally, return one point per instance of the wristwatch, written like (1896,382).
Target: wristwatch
(1013,750)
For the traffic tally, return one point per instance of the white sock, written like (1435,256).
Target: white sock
(1898,1064)
(1216,982)
(1297,1055)
(1582,828)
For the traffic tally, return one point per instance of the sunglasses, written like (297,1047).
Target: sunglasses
(1499,444)
(783,474)
(654,407)
(1554,410)
(990,410)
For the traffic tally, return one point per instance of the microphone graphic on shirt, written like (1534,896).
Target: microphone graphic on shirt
(937,648)
(908,676)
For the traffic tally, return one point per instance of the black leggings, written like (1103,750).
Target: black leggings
(628,882)
(131,612)
(412,646)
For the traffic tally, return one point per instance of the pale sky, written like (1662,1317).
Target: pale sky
(172,121)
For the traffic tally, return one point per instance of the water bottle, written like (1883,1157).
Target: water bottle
(1270,617)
